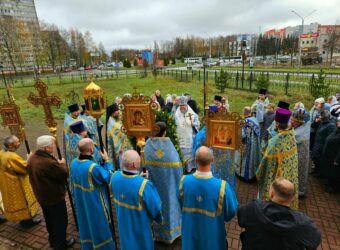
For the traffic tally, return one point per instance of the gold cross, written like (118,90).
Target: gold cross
(46,101)
(159,153)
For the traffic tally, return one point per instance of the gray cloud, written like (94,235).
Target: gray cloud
(137,23)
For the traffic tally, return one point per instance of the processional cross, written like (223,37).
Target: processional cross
(46,101)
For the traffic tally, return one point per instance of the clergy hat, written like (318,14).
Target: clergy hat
(110,110)
(263,91)
(282,115)
(77,127)
(283,105)
(162,128)
(183,100)
(73,107)
(213,108)
(218,98)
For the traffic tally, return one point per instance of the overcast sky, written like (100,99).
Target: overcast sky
(137,23)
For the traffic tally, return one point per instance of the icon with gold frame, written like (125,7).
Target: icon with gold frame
(138,116)
(224,130)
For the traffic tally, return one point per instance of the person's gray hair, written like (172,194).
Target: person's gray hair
(45,141)
(129,157)
(325,115)
(9,140)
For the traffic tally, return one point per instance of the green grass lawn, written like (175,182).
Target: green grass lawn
(238,99)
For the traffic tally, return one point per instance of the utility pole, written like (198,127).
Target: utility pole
(301,32)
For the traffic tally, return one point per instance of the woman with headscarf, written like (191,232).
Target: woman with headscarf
(300,123)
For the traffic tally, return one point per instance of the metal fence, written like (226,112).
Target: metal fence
(72,77)
(281,82)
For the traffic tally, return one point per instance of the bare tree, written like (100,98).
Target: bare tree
(333,43)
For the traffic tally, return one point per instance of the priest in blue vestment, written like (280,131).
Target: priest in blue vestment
(137,204)
(72,116)
(165,172)
(117,141)
(79,132)
(91,125)
(251,144)
(207,202)
(88,181)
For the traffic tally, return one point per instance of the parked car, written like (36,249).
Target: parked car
(67,70)
(88,67)
(81,68)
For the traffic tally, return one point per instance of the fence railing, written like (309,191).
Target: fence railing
(72,77)
(280,82)
(283,82)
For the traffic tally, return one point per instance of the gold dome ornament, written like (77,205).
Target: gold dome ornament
(94,100)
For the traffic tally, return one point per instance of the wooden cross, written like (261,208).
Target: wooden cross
(46,101)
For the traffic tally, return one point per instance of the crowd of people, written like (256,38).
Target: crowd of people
(155,200)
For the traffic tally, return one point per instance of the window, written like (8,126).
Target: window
(307,42)
(303,42)
(312,41)
(323,52)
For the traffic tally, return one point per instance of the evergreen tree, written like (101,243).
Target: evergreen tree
(318,87)
(262,82)
(221,81)
(128,64)
(135,63)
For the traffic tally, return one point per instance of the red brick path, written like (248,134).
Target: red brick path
(322,207)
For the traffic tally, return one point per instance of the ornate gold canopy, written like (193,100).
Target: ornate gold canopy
(94,100)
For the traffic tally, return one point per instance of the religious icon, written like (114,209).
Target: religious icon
(138,118)
(138,115)
(224,130)
(223,134)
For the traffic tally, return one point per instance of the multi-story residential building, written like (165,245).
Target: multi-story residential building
(245,42)
(19,35)
(314,38)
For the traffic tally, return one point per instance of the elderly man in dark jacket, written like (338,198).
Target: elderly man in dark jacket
(330,162)
(48,177)
(326,127)
(274,225)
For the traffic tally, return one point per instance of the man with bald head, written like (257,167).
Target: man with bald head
(274,225)
(206,202)
(88,181)
(137,204)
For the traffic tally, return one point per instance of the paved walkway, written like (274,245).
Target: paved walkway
(324,208)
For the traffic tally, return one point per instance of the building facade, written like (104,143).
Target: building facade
(19,35)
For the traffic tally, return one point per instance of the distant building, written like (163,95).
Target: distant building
(245,42)
(148,56)
(313,37)
(19,25)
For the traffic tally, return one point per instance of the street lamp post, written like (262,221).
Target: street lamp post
(303,21)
